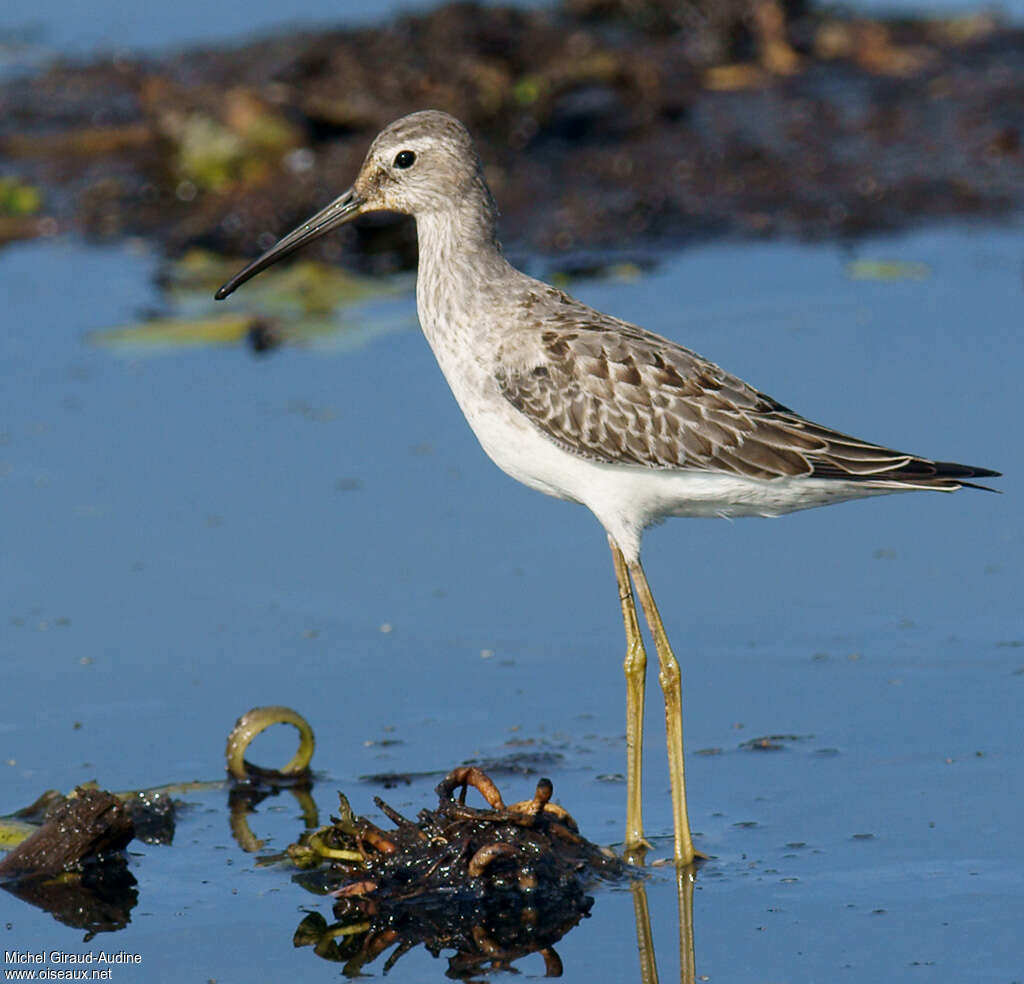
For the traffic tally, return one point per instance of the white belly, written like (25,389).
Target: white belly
(628,498)
(624,498)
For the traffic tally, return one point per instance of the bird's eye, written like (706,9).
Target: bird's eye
(404,159)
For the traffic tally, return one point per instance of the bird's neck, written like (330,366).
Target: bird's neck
(460,263)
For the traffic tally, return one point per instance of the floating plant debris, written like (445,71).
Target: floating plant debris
(492,883)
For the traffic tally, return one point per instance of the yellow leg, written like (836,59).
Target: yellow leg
(635,666)
(669,678)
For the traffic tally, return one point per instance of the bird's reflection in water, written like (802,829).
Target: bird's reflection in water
(686,876)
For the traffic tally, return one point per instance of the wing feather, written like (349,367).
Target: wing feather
(611,392)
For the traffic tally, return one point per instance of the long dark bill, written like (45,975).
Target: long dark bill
(343,209)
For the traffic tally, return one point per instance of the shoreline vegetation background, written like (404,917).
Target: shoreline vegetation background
(603,125)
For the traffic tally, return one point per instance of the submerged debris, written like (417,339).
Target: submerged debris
(772,743)
(304,303)
(491,883)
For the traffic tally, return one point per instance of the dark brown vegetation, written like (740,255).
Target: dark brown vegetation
(73,865)
(90,825)
(493,883)
(603,123)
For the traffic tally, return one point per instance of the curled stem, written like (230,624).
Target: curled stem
(252,723)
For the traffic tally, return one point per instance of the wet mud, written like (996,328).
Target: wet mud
(602,125)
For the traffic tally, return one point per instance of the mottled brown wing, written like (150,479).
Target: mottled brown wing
(615,393)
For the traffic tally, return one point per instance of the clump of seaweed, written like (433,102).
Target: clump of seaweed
(525,847)
(492,883)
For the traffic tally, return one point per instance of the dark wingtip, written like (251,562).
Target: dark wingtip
(953,469)
(917,473)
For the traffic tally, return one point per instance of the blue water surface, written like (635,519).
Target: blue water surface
(191,532)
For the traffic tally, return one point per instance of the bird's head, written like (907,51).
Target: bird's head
(422,163)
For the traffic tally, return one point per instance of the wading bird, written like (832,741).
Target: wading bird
(588,408)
